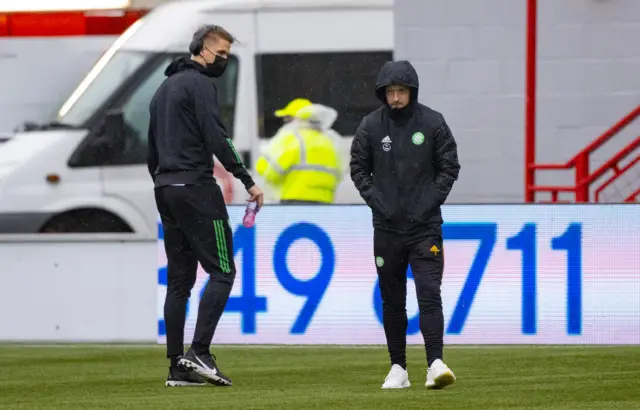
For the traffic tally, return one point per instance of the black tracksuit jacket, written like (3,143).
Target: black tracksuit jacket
(404,162)
(185,130)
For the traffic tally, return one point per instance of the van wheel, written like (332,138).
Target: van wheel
(86,221)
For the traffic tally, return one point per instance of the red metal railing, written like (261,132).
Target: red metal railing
(583,177)
(616,174)
(530,104)
(633,196)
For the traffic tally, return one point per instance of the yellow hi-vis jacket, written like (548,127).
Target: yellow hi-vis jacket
(303,163)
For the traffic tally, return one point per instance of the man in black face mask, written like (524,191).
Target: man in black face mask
(185,132)
(404,162)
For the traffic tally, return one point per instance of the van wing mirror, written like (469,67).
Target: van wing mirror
(104,144)
(109,137)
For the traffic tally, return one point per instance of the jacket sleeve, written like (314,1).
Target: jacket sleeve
(215,135)
(361,163)
(447,168)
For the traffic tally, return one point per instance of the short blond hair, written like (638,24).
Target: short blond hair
(220,32)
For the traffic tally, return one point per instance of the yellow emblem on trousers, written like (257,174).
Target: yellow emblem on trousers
(435,250)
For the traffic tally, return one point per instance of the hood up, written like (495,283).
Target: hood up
(398,73)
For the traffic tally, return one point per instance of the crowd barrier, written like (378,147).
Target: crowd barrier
(514,274)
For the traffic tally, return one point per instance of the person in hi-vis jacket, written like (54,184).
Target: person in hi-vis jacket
(302,161)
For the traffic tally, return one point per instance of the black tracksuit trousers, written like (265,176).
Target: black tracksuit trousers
(196,229)
(394,252)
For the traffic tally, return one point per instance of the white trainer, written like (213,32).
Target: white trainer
(398,378)
(439,375)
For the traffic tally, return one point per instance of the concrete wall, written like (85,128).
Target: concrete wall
(470,55)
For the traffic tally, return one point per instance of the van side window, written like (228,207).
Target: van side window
(136,109)
(344,81)
(227,86)
(134,102)
(136,114)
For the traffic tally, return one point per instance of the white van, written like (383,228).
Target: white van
(84,175)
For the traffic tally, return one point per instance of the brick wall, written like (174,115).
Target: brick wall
(470,55)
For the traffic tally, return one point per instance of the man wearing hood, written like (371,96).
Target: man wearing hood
(185,132)
(404,163)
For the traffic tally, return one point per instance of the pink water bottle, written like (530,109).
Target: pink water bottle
(250,214)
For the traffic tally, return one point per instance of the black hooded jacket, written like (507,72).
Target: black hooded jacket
(185,130)
(404,162)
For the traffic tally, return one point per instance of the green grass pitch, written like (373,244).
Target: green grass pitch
(289,378)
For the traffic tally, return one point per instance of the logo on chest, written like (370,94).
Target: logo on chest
(417,138)
(386,144)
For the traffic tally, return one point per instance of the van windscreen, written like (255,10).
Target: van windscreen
(100,83)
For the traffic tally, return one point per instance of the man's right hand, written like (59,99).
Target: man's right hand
(256,195)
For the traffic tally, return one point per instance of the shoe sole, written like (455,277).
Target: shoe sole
(443,380)
(204,372)
(175,383)
(405,385)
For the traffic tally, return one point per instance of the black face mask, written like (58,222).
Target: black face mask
(217,68)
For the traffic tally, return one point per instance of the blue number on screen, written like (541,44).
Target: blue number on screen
(485,233)
(413,325)
(313,288)
(248,304)
(525,241)
(571,241)
(162,280)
